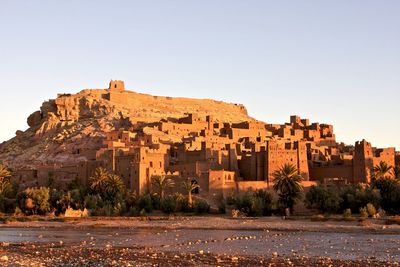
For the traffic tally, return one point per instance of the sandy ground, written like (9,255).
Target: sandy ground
(199,241)
(212,222)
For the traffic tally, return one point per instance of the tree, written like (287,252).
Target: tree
(5,187)
(287,183)
(162,182)
(105,184)
(382,170)
(98,180)
(4,172)
(35,200)
(390,192)
(5,184)
(189,187)
(396,172)
(324,198)
(113,186)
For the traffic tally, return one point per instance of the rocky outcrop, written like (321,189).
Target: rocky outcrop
(71,127)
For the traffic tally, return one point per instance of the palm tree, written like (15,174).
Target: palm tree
(287,183)
(189,187)
(98,180)
(113,186)
(382,170)
(4,172)
(5,185)
(162,182)
(396,172)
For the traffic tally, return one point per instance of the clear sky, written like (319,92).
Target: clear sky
(335,62)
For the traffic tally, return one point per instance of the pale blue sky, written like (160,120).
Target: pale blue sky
(336,62)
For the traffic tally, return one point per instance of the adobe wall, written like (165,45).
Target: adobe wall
(25,178)
(221,183)
(86,170)
(245,186)
(387,155)
(320,173)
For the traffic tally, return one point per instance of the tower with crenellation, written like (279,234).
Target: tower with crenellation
(116,86)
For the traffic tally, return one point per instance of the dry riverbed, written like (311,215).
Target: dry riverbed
(194,241)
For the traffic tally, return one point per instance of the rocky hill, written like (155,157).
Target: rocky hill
(78,122)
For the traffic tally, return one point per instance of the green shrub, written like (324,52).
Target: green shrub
(244,203)
(133,212)
(185,206)
(258,203)
(156,201)
(324,198)
(201,207)
(145,203)
(266,200)
(257,207)
(92,202)
(355,197)
(390,193)
(169,205)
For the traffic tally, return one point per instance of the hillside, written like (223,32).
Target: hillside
(77,122)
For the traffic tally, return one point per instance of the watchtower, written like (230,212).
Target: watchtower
(362,162)
(117,86)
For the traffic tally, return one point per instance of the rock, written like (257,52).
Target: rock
(34,119)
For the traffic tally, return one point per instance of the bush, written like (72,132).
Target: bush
(201,207)
(371,209)
(258,203)
(257,207)
(18,212)
(363,212)
(324,198)
(92,202)
(266,200)
(169,205)
(144,203)
(131,199)
(133,212)
(156,201)
(34,200)
(355,197)
(231,199)
(347,213)
(185,206)
(221,204)
(7,205)
(390,193)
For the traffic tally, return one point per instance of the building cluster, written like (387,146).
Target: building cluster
(222,157)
